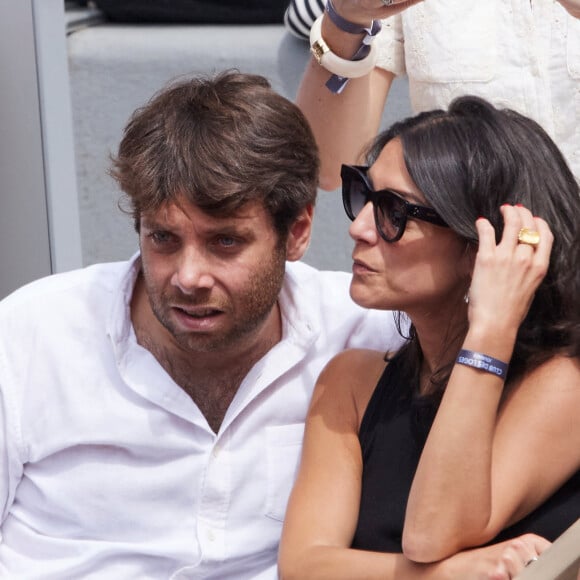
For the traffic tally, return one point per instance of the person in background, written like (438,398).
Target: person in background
(466,222)
(521,54)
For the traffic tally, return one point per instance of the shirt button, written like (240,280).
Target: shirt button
(216,451)
(210,536)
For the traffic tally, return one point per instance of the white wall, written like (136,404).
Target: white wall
(39,231)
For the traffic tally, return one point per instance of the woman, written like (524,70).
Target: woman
(476,451)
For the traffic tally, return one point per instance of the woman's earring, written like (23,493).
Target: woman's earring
(466,297)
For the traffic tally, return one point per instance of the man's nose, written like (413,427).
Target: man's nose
(193,272)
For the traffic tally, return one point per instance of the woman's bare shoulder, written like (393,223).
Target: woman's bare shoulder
(350,378)
(356,363)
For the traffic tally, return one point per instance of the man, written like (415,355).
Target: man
(151,412)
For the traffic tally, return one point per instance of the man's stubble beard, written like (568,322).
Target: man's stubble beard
(252,309)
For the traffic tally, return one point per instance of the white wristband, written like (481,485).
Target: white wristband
(342,67)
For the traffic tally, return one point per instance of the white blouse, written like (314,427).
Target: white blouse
(521,54)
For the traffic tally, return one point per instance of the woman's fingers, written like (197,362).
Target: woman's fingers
(514,219)
(507,274)
(523,230)
(544,247)
(529,240)
(519,553)
(486,236)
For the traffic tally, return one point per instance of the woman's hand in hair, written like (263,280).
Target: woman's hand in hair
(506,275)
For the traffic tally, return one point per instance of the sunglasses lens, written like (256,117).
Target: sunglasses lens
(391,215)
(390,210)
(357,195)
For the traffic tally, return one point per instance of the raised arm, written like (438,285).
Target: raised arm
(344,123)
(494,455)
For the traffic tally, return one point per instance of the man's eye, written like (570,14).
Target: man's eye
(226,241)
(161,237)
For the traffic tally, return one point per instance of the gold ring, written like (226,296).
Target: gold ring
(530,237)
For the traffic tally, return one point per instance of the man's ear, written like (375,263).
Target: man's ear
(299,234)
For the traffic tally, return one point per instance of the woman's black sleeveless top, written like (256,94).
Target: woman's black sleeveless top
(392,435)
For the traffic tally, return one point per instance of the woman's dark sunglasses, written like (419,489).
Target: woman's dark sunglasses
(390,209)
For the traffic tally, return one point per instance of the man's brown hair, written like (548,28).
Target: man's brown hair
(219,143)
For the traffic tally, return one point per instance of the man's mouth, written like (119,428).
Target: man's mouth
(199,312)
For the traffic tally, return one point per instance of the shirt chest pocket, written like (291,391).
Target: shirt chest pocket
(449,41)
(283,448)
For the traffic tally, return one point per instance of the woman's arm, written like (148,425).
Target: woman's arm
(344,123)
(492,457)
(323,509)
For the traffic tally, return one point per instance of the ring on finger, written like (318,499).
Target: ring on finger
(532,559)
(529,237)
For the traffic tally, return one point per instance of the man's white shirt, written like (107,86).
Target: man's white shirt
(107,467)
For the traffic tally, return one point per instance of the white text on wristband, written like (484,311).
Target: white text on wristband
(478,360)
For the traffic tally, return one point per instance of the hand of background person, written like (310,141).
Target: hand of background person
(362,11)
(572,6)
(506,275)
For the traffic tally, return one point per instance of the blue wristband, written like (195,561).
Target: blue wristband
(350,27)
(481,361)
(337,83)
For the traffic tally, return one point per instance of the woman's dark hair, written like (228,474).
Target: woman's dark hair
(219,143)
(470,160)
